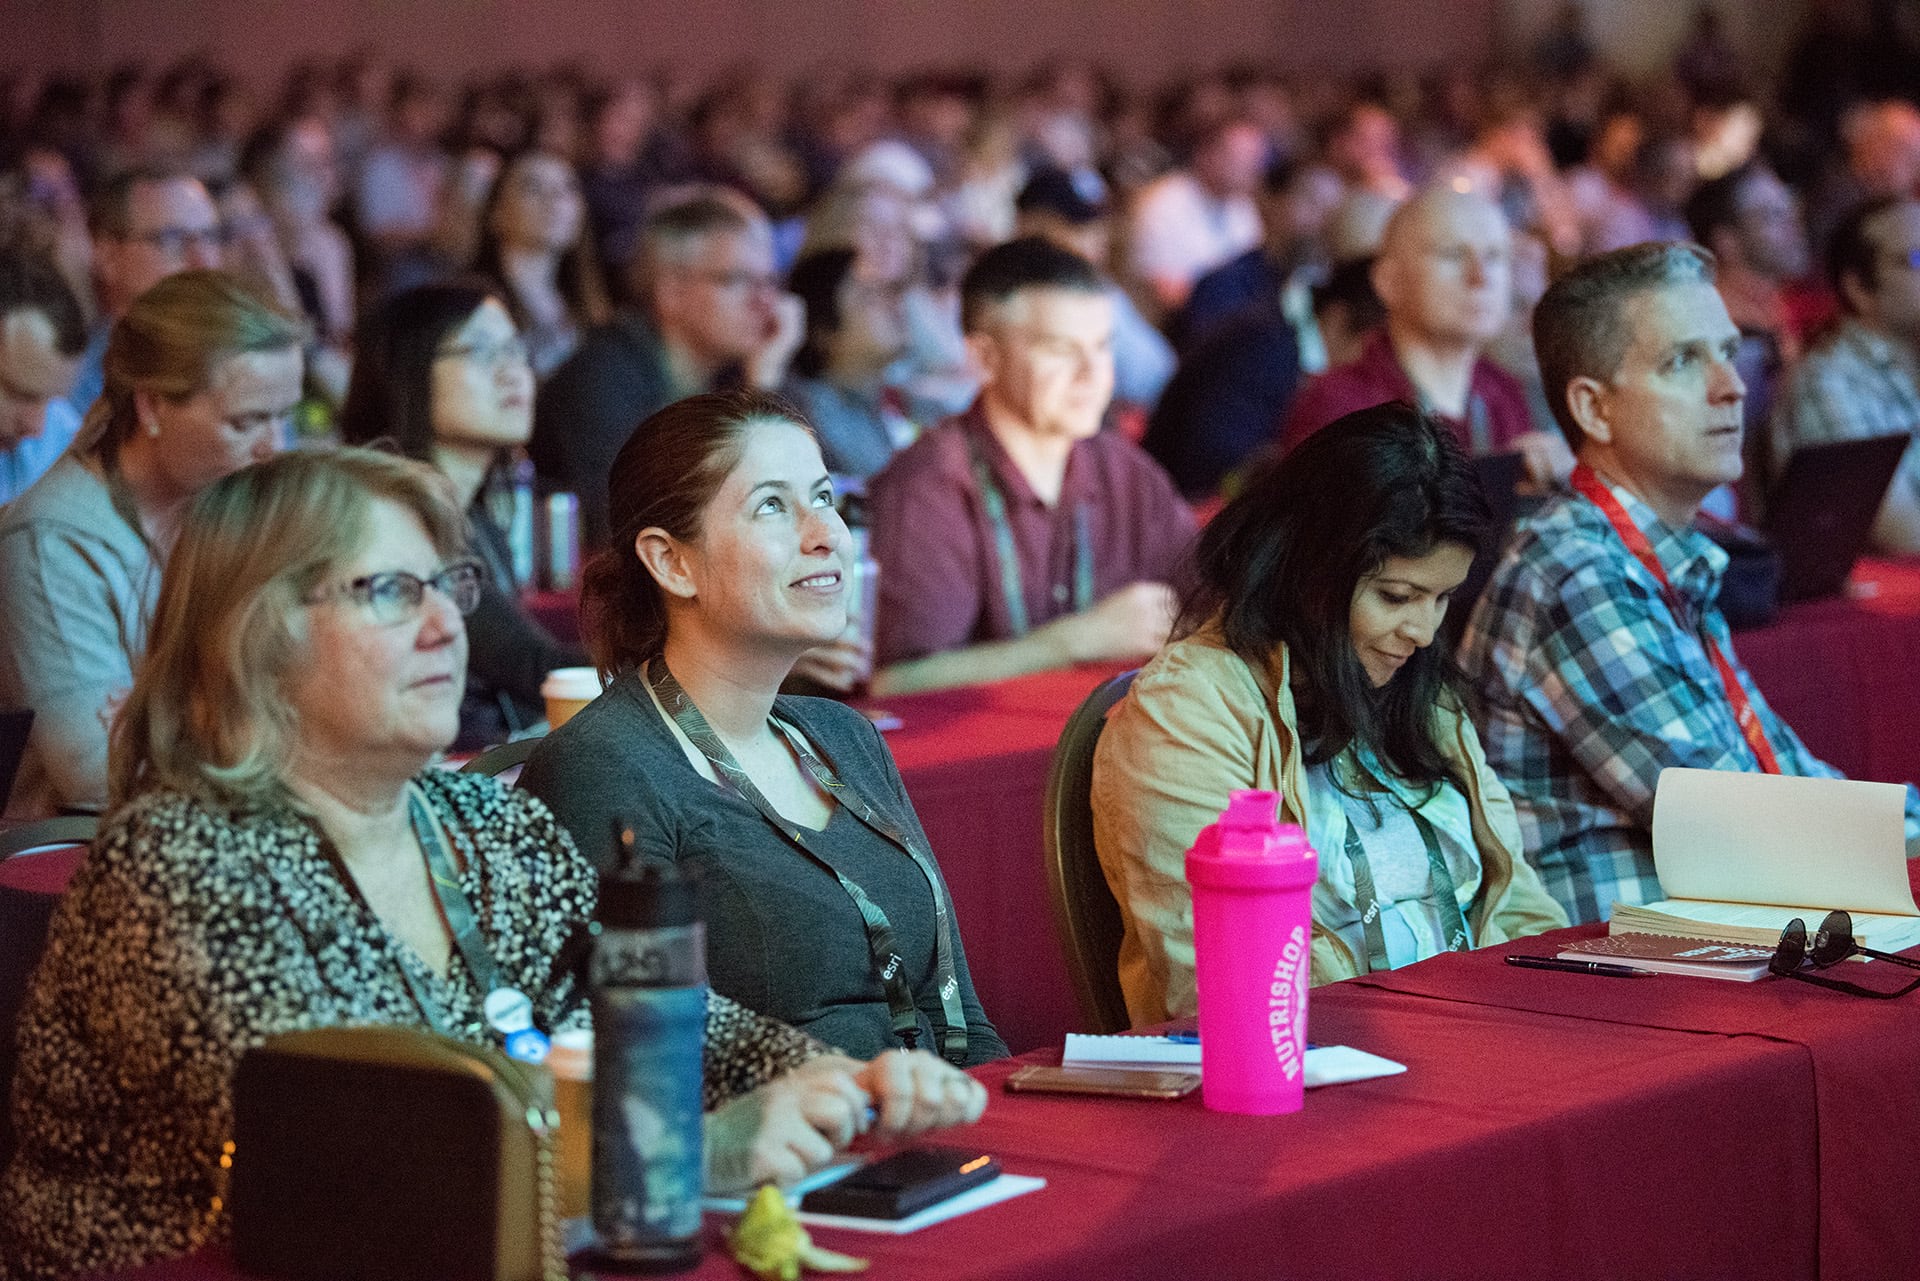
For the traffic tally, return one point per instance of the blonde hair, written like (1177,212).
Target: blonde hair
(170,341)
(206,715)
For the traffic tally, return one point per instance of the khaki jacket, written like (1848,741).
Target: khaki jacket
(1200,722)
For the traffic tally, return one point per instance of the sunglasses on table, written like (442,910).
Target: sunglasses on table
(1832,944)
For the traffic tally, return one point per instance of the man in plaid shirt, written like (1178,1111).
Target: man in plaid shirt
(1594,673)
(1864,378)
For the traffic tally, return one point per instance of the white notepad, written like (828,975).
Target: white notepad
(1326,1064)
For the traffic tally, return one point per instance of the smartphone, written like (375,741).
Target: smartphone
(902,1184)
(1123,1083)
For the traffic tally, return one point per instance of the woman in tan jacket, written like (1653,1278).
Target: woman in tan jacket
(1304,664)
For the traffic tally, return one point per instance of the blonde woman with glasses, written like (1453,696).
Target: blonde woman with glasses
(282,857)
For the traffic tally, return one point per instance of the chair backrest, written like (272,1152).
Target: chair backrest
(1085,915)
(36,862)
(498,760)
(14,728)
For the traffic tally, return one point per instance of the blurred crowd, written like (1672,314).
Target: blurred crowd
(652,237)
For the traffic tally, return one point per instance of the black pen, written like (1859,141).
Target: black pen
(1577,967)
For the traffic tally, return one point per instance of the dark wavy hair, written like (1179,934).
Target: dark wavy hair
(391,394)
(1281,562)
(665,475)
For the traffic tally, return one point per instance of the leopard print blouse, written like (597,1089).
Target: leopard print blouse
(190,935)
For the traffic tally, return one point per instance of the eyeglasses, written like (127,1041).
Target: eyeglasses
(1835,943)
(395,597)
(1833,946)
(175,240)
(504,351)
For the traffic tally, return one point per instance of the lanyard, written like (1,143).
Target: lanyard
(887,961)
(1439,886)
(1011,586)
(507,1009)
(1595,491)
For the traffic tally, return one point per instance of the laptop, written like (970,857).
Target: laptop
(1820,512)
(13,746)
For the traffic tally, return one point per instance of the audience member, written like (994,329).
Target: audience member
(1444,275)
(856,333)
(404,178)
(709,313)
(536,251)
(293,168)
(1296,205)
(440,372)
(1070,209)
(1189,221)
(1346,309)
(1750,221)
(201,376)
(1863,378)
(1303,666)
(1598,649)
(275,757)
(823,904)
(1229,392)
(42,334)
(147,225)
(1018,536)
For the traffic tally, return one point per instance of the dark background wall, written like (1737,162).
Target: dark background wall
(1148,39)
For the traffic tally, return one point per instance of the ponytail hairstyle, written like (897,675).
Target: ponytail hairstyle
(664,476)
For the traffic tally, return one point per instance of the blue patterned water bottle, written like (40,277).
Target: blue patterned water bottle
(649,983)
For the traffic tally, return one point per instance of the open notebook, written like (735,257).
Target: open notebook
(1739,855)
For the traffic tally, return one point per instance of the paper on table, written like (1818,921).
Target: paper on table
(1727,836)
(1326,1064)
(992,1192)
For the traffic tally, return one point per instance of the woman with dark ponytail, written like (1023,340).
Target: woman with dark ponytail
(823,904)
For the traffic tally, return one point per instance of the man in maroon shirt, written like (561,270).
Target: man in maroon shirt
(1018,536)
(1443,274)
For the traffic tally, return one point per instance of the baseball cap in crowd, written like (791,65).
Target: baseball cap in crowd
(1075,196)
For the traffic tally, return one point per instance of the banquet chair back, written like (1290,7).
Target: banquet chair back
(1085,914)
(36,862)
(496,761)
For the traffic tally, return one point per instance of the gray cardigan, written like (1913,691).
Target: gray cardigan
(783,937)
(77,589)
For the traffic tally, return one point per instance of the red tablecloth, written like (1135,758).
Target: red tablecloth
(1845,673)
(1518,1144)
(975,763)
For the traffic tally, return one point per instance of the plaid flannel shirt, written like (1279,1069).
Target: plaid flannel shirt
(1855,383)
(1589,689)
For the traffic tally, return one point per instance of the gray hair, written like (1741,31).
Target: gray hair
(1579,326)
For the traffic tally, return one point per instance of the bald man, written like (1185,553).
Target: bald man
(1443,274)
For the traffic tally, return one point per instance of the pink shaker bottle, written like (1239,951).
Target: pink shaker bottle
(1252,879)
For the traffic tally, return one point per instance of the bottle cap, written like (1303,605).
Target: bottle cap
(647,897)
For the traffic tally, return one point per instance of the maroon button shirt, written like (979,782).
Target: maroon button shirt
(1375,378)
(940,581)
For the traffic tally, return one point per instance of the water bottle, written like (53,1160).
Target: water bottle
(520,551)
(560,543)
(1252,879)
(649,996)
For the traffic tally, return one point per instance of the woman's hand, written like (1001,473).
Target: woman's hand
(914,1091)
(787,1128)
